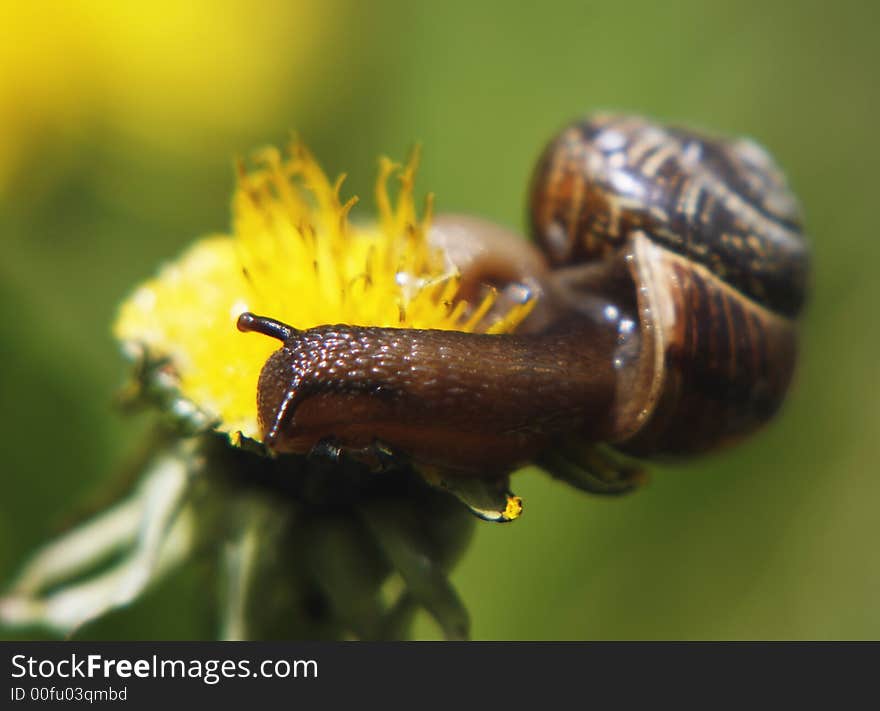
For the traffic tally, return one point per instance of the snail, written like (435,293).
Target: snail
(669,269)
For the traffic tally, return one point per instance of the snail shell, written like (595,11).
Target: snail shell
(710,237)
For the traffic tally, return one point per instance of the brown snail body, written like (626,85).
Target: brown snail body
(670,271)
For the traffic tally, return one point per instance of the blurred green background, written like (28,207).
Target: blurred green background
(118,127)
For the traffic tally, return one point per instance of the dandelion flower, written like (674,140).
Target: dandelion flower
(373,549)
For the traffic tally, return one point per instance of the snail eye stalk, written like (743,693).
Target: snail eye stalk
(248,322)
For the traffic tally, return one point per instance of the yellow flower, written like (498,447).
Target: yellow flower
(294,255)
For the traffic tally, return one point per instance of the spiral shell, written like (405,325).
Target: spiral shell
(710,236)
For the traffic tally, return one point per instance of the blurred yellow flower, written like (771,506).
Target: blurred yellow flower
(294,256)
(173,74)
